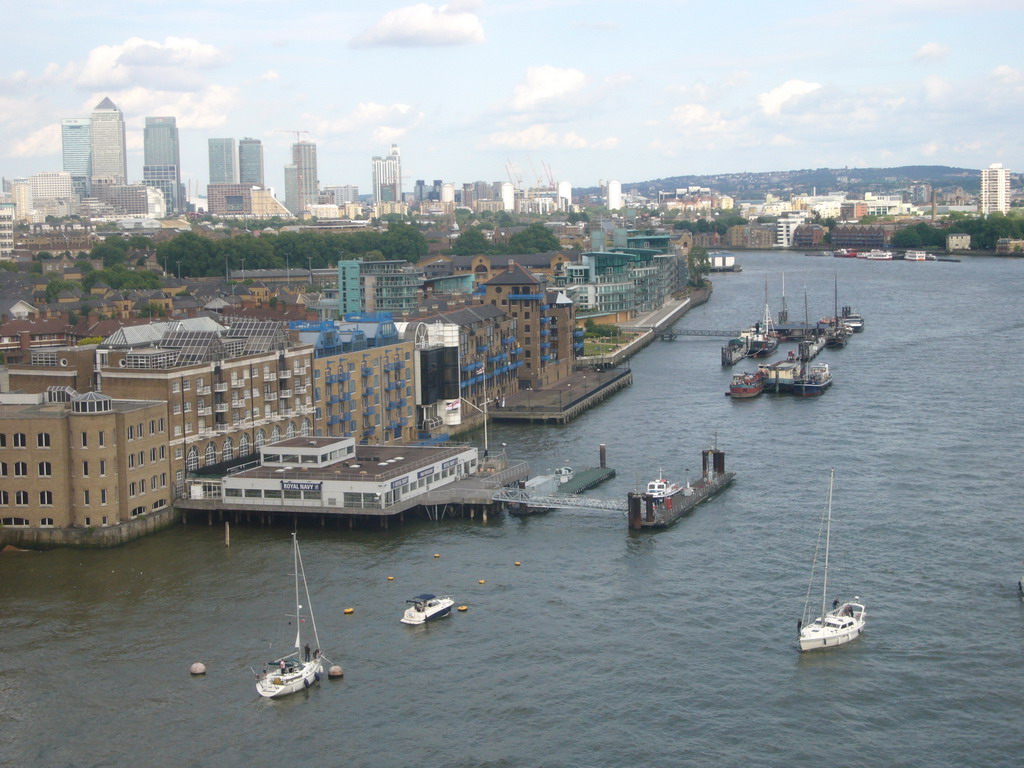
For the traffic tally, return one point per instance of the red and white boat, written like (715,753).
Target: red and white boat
(746,385)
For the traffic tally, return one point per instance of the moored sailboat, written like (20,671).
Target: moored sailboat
(845,621)
(304,666)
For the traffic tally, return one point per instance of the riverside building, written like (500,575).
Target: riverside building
(78,460)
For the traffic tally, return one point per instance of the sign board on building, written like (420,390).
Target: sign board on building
(400,481)
(291,485)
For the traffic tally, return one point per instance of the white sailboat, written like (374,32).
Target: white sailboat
(304,666)
(844,622)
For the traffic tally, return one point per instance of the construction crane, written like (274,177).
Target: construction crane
(289,130)
(513,175)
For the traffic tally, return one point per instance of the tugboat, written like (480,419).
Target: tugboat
(746,385)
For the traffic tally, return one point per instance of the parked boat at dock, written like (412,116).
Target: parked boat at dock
(746,385)
(877,255)
(780,375)
(664,502)
(734,351)
(915,256)
(813,381)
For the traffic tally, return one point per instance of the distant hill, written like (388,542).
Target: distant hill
(820,180)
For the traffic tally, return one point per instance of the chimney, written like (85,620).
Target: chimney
(24,340)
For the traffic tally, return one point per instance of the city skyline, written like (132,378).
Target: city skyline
(470,88)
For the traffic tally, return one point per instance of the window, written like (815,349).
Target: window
(175,386)
(152,455)
(131,432)
(85,439)
(19,439)
(4,499)
(179,452)
(176,409)
(45,469)
(102,439)
(21,498)
(211,454)
(3,469)
(85,469)
(103,467)
(85,498)
(152,426)
(3,439)
(20,469)
(131,461)
(186,385)
(142,486)
(161,422)
(103,496)
(46,498)
(43,440)
(192,462)
(163,451)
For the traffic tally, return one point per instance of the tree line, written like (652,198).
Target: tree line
(192,255)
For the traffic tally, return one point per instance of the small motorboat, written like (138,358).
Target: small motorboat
(424,608)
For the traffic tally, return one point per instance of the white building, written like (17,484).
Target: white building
(995,190)
(331,472)
(508,196)
(614,195)
(51,184)
(6,230)
(786,225)
(564,195)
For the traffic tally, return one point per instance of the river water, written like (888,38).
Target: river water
(605,647)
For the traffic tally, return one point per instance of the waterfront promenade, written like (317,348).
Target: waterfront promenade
(597,377)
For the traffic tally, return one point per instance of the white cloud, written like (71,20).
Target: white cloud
(207,108)
(931,149)
(387,134)
(698,118)
(425,25)
(931,52)
(546,85)
(173,64)
(40,143)
(1007,75)
(538,136)
(368,115)
(774,100)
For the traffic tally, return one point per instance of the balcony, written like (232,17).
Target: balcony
(269,397)
(366,371)
(336,378)
(206,411)
(526,297)
(221,407)
(301,390)
(202,391)
(239,383)
(220,386)
(284,373)
(285,394)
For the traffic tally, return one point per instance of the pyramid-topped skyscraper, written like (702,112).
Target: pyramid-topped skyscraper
(108,143)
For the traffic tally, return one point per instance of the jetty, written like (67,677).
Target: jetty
(647,510)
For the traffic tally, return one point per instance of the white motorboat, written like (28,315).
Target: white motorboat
(845,621)
(303,667)
(426,608)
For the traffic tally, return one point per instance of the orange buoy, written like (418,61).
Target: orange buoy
(482,581)
(391,578)
(463,608)
(349,610)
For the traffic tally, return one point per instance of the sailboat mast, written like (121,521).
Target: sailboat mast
(828,530)
(298,606)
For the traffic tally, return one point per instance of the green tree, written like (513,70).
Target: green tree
(698,266)
(471,242)
(536,238)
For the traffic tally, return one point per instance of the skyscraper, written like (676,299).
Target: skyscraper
(250,162)
(387,177)
(223,162)
(76,142)
(107,138)
(162,162)
(301,185)
(995,189)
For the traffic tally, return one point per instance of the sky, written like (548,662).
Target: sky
(532,90)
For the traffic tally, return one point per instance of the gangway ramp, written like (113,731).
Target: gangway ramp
(558,501)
